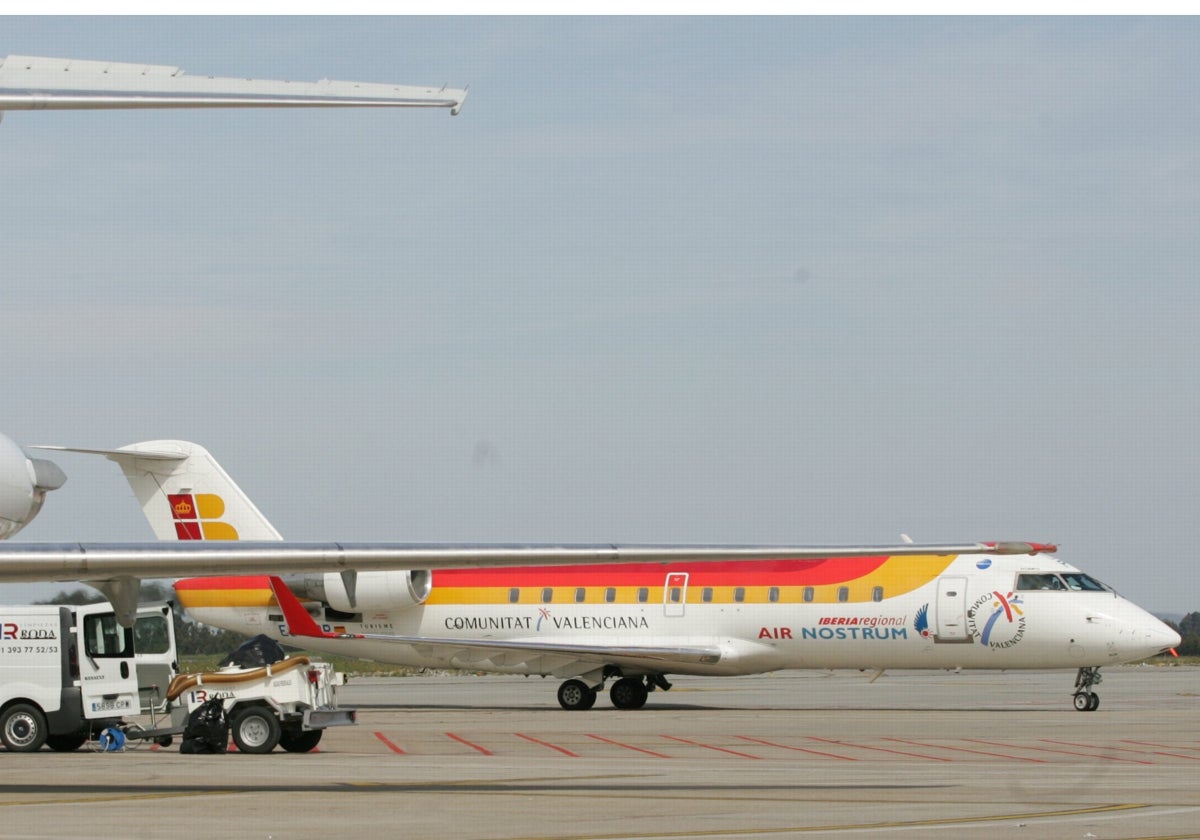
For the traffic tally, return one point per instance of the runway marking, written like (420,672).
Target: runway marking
(797,749)
(464,741)
(877,826)
(108,798)
(1152,744)
(562,750)
(710,747)
(627,746)
(387,743)
(968,750)
(1064,752)
(879,749)
(1127,749)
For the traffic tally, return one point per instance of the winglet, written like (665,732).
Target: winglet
(299,622)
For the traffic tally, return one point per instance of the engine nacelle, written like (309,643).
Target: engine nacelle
(390,590)
(24,482)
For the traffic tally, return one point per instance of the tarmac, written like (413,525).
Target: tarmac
(812,754)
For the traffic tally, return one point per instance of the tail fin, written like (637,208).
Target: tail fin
(184,493)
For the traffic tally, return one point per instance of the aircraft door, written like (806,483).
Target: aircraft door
(952,609)
(675,594)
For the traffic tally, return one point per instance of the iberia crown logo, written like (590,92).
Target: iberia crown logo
(183,508)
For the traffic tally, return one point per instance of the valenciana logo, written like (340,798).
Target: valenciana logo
(997,620)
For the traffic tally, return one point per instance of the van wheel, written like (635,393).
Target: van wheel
(65,743)
(23,728)
(294,739)
(255,730)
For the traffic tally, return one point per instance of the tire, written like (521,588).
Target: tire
(294,739)
(255,730)
(1082,701)
(576,695)
(23,728)
(65,743)
(628,693)
(1093,702)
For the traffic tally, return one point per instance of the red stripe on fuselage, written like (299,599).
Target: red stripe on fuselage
(730,573)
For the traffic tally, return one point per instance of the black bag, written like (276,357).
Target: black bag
(254,653)
(207,730)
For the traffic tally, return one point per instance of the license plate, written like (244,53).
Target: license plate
(118,705)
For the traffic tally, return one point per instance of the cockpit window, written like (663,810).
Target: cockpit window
(1079,582)
(1040,581)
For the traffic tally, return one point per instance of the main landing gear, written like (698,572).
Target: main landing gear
(626,693)
(1085,699)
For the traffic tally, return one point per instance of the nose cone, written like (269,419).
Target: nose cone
(1141,635)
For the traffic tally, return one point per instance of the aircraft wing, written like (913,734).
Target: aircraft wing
(32,83)
(561,660)
(94,561)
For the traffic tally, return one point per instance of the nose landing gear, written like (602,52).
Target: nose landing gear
(1085,699)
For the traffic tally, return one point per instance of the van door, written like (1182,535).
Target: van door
(107,673)
(155,655)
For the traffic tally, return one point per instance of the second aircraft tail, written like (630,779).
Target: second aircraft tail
(184,492)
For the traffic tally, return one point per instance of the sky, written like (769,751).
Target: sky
(686,280)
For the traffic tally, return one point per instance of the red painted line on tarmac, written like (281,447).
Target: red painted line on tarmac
(627,746)
(387,743)
(465,742)
(797,749)
(965,749)
(1063,752)
(533,740)
(878,749)
(1125,749)
(1152,744)
(710,747)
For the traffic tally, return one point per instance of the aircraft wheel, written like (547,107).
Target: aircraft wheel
(23,728)
(255,730)
(294,739)
(576,695)
(628,693)
(1093,702)
(1083,701)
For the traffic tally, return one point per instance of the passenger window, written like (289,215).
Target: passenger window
(706,594)
(610,595)
(150,634)
(102,637)
(808,594)
(877,593)
(675,594)
(514,595)
(580,594)
(547,595)
(643,595)
(739,594)
(773,594)
(843,594)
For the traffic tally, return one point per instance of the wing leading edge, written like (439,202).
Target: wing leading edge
(90,561)
(117,568)
(30,83)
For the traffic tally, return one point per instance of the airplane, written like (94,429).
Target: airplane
(645,613)
(30,83)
